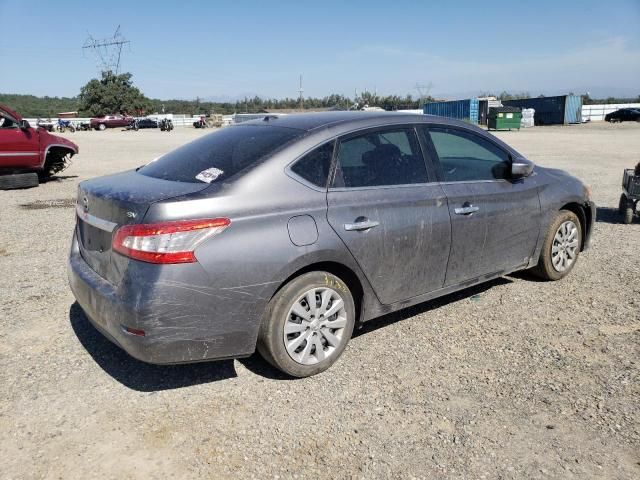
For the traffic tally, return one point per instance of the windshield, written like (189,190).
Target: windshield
(219,155)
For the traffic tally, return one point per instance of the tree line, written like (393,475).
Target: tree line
(112,93)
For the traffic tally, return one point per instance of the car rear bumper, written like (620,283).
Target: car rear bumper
(172,336)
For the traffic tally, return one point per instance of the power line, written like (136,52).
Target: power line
(108,51)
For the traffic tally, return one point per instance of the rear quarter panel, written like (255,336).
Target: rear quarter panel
(247,263)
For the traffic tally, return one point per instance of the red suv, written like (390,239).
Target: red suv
(110,121)
(27,153)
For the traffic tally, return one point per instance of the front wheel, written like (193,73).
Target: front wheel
(102,127)
(561,247)
(308,324)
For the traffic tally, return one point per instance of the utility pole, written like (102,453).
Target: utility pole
(300,90)
(108,51)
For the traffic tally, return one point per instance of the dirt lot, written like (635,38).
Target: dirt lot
(514,379)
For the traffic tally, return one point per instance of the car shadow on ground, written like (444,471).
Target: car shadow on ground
(258,365)
(608,215)
(138,375)
(57,178)
(471,293)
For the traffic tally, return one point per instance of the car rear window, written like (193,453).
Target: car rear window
(219,155)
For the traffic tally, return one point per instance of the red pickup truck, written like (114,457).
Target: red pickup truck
(28,154)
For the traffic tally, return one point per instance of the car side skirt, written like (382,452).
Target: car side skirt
(376,311)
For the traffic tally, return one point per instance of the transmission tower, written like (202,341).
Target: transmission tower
(107,51)
(423,91)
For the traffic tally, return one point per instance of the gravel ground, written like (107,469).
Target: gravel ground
(513,379)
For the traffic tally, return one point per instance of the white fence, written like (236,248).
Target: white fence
(596,113)
(178,120)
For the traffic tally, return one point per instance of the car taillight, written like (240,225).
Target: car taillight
(167,242)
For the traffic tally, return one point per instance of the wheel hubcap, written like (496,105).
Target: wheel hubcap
(315,326)
(564,249)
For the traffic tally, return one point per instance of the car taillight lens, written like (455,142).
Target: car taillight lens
(167,242)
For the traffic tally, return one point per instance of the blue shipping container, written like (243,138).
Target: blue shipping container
(573,109)
(460,109)
(559,110)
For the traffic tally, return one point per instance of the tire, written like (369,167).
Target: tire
(626,209)
(627,218)
(102,127)
(18,180)
(329,290)
(546,268)
(622,204)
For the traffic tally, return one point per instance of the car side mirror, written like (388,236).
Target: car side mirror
(24,125)
(521,167)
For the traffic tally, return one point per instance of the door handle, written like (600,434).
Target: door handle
(360,225)
(466,209)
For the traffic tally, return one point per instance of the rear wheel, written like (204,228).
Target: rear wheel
(561,247)
(308,324)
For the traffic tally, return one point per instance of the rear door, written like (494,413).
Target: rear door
(495,221)
(389,212)
(18,148)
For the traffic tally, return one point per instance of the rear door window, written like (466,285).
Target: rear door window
(380,158)
(220,155)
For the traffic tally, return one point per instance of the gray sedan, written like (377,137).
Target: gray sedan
(282,234)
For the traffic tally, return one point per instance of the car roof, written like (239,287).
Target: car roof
(313,121)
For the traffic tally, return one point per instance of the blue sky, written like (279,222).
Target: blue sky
(184,49)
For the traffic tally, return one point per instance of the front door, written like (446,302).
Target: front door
(495,220)
(393,220)
(18,148)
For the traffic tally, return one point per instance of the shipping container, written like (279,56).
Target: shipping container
(561,110)
(466,110)
(573,109)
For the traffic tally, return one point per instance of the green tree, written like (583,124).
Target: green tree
(513,96)
(113,94)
